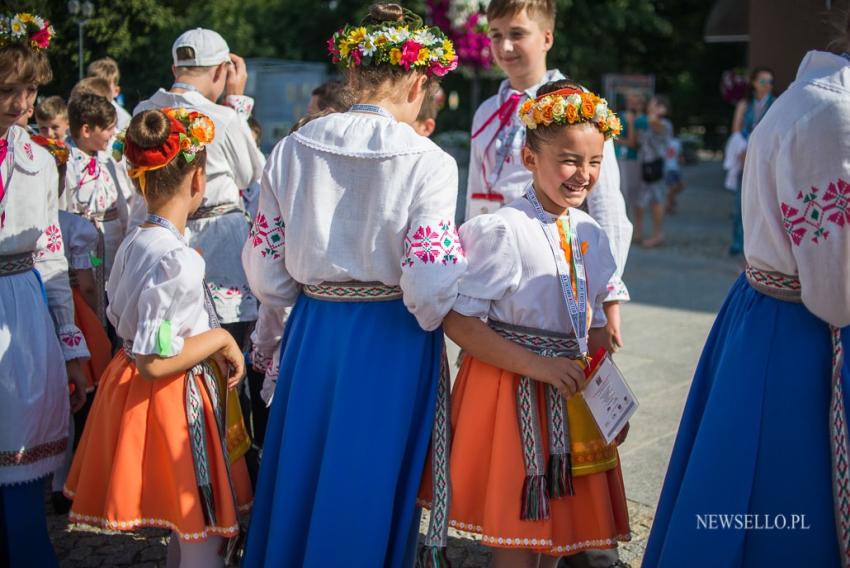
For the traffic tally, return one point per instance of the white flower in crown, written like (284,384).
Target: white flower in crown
(368,47)
(574,100)
(559,107)
(438,53)
(18,27)
(397,35)
(424,37)
(38,21)
(601,112)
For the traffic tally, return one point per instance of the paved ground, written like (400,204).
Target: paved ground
(676,291)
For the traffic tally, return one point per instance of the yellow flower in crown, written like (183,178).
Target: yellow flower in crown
(570,106)
(424,55)
(356,36)
(395,56)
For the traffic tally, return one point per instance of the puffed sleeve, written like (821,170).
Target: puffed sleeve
(495,267)
(813,190)
(244,158)
(168,304)
(264,253)
(52,266)
(606,205)
(80,240)
(433,259)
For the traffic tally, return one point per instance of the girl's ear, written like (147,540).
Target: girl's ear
(417,88)
(199,181)
(529,159)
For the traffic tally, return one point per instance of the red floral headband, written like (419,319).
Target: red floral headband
(190,132)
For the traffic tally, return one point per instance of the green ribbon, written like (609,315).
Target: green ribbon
(163,339)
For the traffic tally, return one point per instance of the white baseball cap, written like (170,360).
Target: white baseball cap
(209,47)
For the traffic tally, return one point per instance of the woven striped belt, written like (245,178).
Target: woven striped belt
(216,211)
(16,263)
(541,483)
(353,291)
(787,288)
(110,214)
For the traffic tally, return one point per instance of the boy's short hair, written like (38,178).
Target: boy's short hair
(50,108)
(92,86)
(435,97)
(105,68)
(90,109)
(541,10)
(334,95)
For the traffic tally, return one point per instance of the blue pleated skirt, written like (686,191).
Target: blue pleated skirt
(347,438)
(754,440)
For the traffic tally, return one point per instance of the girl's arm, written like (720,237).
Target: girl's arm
(477,339)
(196,349)
(87,286)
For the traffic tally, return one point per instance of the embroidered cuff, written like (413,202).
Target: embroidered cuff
(156,337)
(73,343)
(617,291)
(270,380)
(260,359)
(243,105)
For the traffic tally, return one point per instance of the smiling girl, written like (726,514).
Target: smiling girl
(562,492)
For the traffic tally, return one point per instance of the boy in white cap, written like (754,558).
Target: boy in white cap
(204,70)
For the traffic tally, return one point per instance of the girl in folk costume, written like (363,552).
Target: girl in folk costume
(80,239)
(529,470)
(355,229)
(40,347)
(155,451)
(763,439)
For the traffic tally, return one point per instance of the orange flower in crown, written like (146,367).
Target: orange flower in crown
(570,106)
(190,132)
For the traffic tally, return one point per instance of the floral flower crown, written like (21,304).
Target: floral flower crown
(570,106)
(58,149)
(33,31)
(407,45)
(190,132)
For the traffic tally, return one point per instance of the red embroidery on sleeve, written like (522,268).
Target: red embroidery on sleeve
(813,212)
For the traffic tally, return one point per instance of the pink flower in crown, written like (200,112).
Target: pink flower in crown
(409,54)
(438,69)
(42,37)
(356,56)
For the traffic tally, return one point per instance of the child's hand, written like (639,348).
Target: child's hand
(77,377)
(231,362)
(237,76)
(564,374)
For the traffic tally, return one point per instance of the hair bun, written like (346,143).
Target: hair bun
(384,13)
(149,129)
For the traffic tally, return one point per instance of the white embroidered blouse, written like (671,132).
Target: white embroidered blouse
(92,190)
(357,196)
(495,163)
(156,292)
(512,276)
(31,225)
(796,189)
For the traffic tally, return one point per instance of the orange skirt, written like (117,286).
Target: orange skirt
(487,474)
(96,339)
(134,467)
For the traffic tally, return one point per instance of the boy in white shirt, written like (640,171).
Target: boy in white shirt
(204,70)
(522,33)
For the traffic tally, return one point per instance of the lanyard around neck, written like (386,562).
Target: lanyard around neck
(371,109)
(185,87)
(576,306)
(155,219)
